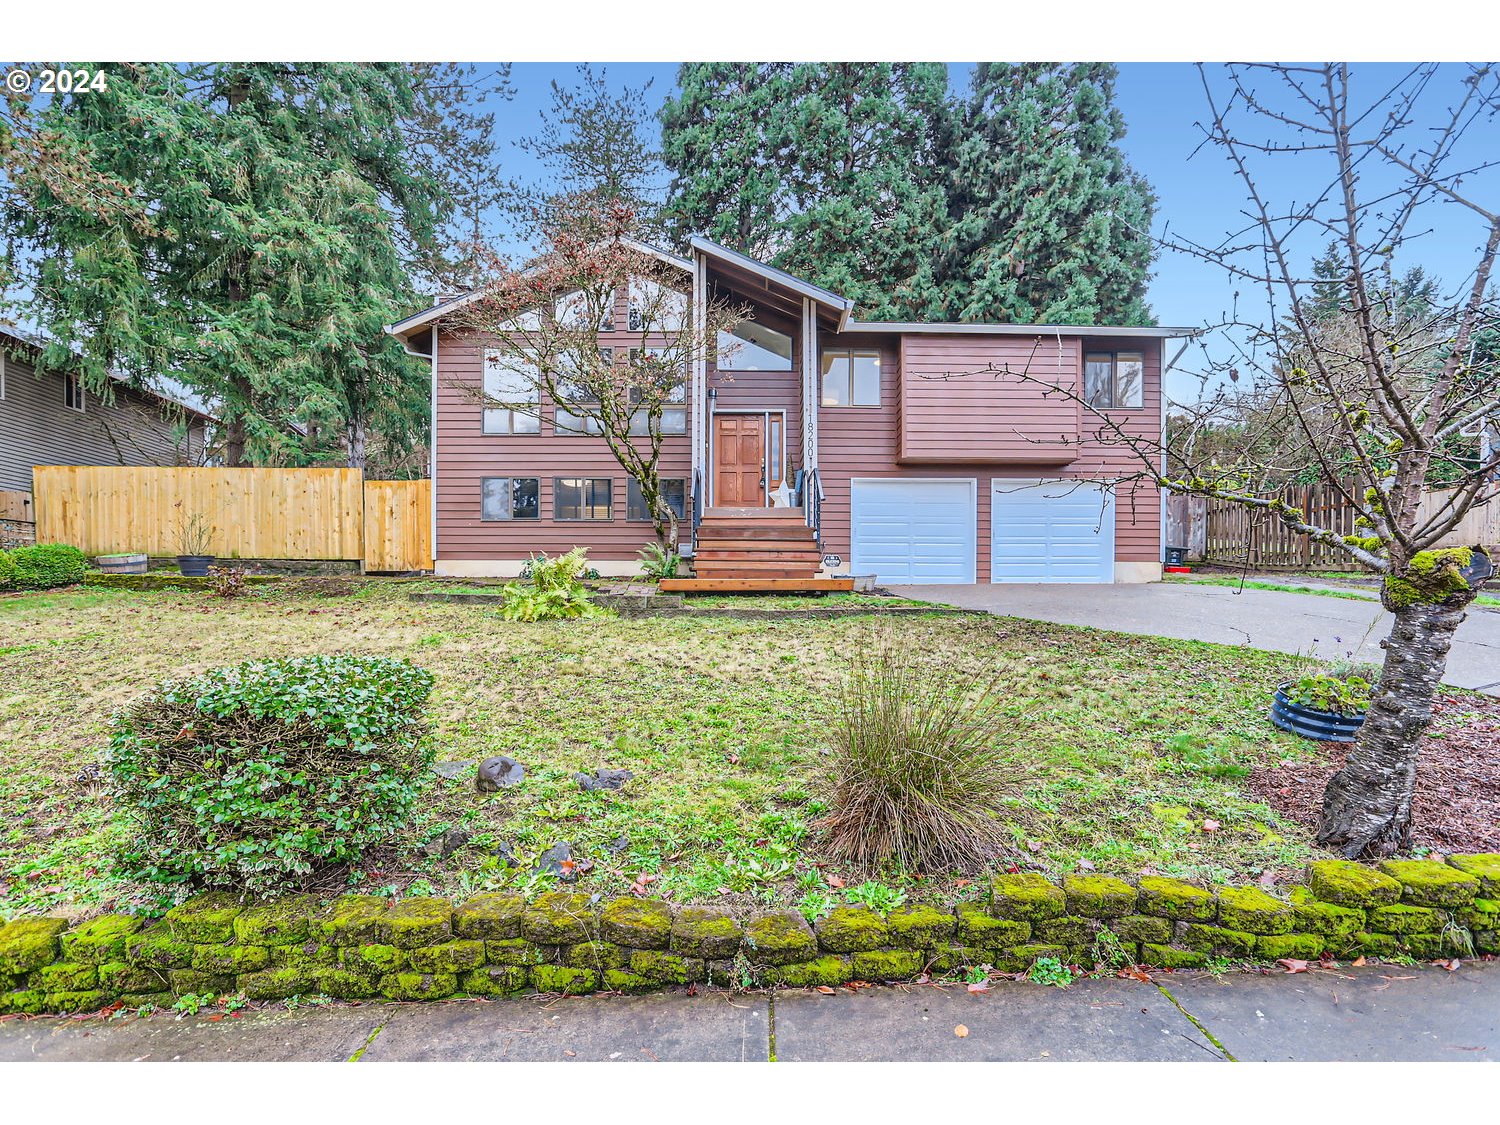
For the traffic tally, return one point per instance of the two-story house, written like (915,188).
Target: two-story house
(906,458)
(52,419)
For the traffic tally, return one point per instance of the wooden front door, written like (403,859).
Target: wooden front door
(739,461)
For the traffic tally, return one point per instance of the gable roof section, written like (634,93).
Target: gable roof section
(408,327)
(907,328)
(841,306)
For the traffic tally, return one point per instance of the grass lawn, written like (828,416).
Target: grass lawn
(1134,746)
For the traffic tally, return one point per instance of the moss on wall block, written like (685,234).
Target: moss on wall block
(643,923)
(413,923)
(1068,931)
(1253,911)
(1401,919)
(120,978)
(353,920)
(1141,928)
(667,968)
(496,980)
(230,960)
(1217,940)
(418,986)
(285,921)
(596,955)
(517,951)
(705,931)
(1346,883)
(887,964)
(26,1001)
(1484,866)
(67,976)
(559,918)
(1273,947)
(1313,916)
(560,978)
(342,984)
(1026,898)
(184,981)
(1098,896)
(779,937)
(920,927)
(976,928)
(1172,898)
(1425,882)
(29,943)
(1159,956)
(82,1001)
(850,929)
(101,940)
(453,957)
(277,984)
(828,971)
(1452,942)
(489,917)
(207,919)
(156,948)
(311,954)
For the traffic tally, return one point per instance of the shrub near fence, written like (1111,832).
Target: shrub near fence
(364,947)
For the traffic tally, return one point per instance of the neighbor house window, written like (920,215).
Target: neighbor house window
(574,423)
(754,347)
(511,397)
(673,489)
(1113,380)
(72,392)
(509,498)
(851,378)
(673,416)
(582,498)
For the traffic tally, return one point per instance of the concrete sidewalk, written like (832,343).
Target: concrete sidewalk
(1267,619)
(1371,1013)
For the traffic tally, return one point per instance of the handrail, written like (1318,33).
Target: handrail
(812,503)
(697,499)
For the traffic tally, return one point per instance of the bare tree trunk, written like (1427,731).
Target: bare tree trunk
(1367,805)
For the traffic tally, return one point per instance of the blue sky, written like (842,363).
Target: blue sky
(1163,104)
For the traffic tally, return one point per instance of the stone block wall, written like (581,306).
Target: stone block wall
(362,947)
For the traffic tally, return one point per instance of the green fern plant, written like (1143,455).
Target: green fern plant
(551,592)
(657,562)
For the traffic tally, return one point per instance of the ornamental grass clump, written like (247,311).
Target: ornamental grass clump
(917,777)
(254,777)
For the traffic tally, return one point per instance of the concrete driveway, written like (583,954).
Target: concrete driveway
(1270,619)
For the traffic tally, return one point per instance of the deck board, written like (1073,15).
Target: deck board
(754,585)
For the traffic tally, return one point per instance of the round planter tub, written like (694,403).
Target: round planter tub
(1309,722)
(121,564)
(194,566)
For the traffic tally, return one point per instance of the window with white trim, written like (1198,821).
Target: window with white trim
(512,401)
(1114,380)
(73,393)
(851,378)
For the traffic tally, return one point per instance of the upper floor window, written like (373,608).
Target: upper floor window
(674,410)
(754,347)
(575,309)
(1114,380)
(655,308)
(573,393)
(72,393)
(851,378)
(511,399)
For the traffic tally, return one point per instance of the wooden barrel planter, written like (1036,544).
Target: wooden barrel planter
(1309,722)
(122,564)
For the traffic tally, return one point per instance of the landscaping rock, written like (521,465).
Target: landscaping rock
(446,844)
(1425,882)
(603,778)
(489,917)
(642,923)
(1026,898)
(779,937)
(617,845)
(499,772)
(551,862)
(847,929)
(1485,867)
(705,931)
(1346,883)
(1172,898)
(506,854)
(559,918)
(1253,911)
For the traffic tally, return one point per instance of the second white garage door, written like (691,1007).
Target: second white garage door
(1051,531)
(913,530)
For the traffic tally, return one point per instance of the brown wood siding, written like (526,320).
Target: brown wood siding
(465,455)
(866,441)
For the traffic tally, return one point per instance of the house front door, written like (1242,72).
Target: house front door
(739,461)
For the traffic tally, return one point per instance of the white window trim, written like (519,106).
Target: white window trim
(83,398)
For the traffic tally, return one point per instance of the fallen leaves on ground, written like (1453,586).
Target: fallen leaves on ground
(961,1031)
(1293,965)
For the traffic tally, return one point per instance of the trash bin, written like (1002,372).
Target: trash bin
(1176,556)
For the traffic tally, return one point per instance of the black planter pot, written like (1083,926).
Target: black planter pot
(194,566)
(1309,722)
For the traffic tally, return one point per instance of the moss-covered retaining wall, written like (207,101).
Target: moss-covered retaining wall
(362,947)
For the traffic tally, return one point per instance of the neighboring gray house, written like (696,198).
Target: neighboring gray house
(52,420)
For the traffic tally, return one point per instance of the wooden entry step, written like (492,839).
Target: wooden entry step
(754,585)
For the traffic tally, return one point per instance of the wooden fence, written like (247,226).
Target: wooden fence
(1233,535)
(250,513)
(17,526)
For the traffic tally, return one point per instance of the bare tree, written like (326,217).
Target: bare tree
(551,337)
(1380,395)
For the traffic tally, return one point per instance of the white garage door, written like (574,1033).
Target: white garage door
(1051,531)
(913,530)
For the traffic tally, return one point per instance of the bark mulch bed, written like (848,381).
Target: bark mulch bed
(1457,805)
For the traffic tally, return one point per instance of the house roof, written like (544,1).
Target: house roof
(14,340)
(954,329)
(407,327)
(840,305)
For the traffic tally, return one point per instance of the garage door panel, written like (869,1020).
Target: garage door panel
(1051,531)
(913,530)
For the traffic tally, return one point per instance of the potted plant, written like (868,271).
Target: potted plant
(194,534)
(1325,704)
(122,563)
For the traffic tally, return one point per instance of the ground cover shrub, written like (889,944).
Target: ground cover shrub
(228,581)
(254,776)
(1332,689)
(917,777)
(43,566)
(658,562)
(550,590)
